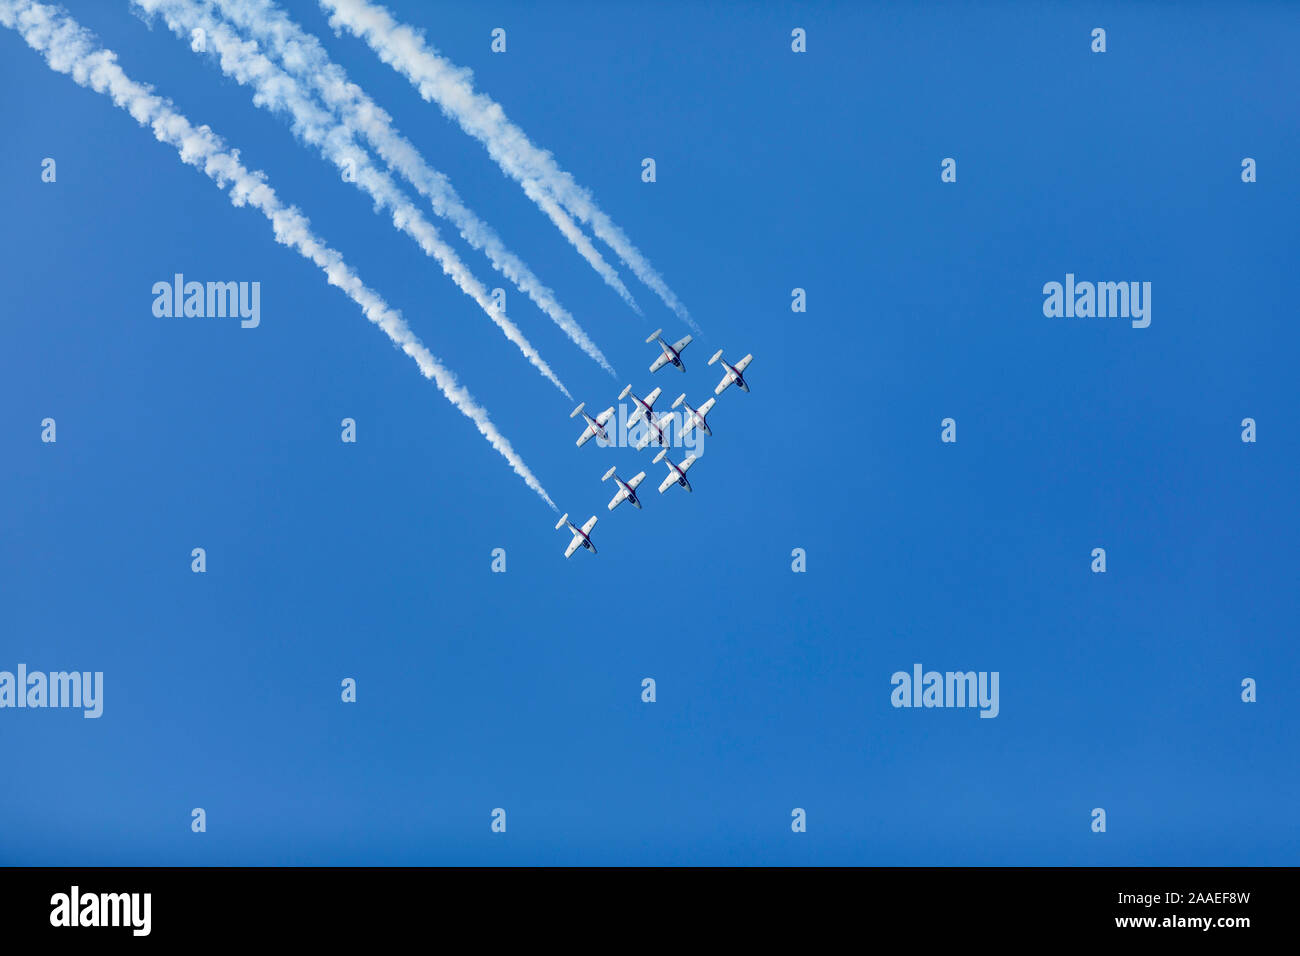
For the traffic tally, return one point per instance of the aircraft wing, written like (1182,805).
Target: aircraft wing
(686,465)
(681,344)
(640,477)
(637,414)
(722,386)
(591,523)
(668,482)
(585,436)
(704,409)
(652,397)
(660,362)
(574,545)
(744,363)
(605,416)
(618,497)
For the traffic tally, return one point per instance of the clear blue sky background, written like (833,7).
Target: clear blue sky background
(522,690)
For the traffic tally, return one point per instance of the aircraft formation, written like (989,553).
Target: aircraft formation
(656,431)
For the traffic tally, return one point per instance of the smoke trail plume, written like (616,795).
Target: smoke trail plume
(70,49)
(275,90)
(301,54)
(451,87)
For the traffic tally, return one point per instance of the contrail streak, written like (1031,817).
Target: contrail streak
(68,48)
(442,82)
(275,90)
(302,55)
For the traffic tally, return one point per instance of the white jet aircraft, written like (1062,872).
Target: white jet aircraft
(671,353)
(581,536)
(733,373)
(694,416)
(657,430)
(644,406)
(595,426)
(626,489)
(675,474)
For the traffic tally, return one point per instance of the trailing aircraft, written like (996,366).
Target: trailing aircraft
(733,373)
(656,430)
(595,426)
(626,489)
(694,416)
(581,536)
(644,406)
(676,475)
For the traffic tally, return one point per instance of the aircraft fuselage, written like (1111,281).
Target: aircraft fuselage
(670,354)
(586,541)
(627,489)
(736,377)
(697,420)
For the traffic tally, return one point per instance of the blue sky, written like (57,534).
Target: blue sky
(522,690)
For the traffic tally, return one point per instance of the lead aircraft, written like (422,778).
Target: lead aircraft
(671,353)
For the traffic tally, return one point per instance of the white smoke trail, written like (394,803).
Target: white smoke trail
(274,90)
(68,48)
(302,55)
(451,87)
